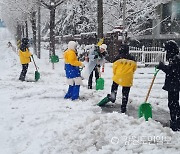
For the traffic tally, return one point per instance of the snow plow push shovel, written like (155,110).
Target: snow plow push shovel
(145,109)
(99,82)
(37,74)
(104,101)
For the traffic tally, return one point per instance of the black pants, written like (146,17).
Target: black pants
(91,76)
(23,72)
(125,95)
(173,104)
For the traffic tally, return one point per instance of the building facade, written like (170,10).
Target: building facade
(165,27)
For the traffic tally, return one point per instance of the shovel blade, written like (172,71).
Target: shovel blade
(37,75)
(100,84)
(54,59)
(145,110)
(103,101)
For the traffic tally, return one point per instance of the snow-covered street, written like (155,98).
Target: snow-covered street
(36,119)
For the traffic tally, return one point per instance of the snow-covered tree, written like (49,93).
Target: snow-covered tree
(75,17)
(16,12)
(137,14)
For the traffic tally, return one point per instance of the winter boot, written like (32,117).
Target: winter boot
(69,93)
(173,125)
(75,93)
(89,86)
(111,97)
(22,77)
(123,109)
(124,104)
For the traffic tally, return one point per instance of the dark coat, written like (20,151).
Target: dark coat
(172,79)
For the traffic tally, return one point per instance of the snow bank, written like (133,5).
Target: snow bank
(113,134)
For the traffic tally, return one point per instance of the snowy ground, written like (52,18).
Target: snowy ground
(35,119)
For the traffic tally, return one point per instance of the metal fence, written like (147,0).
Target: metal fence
(148,55)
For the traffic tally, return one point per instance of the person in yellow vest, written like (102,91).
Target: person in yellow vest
(123,72)
(24,55)
(72,71)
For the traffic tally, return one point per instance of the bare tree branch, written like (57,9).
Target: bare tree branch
(154,26)
(45,4)
(59,2)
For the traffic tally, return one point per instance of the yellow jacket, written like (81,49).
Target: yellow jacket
(71,58)
(25,56)
(123,71)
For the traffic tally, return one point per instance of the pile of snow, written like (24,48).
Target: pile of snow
(115,133)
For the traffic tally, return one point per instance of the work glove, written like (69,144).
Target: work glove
(160,65)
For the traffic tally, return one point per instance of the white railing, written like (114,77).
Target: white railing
(148,55)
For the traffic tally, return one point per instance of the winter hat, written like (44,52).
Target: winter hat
(171,48)
(103,46)
(72,45)
(25,41)
(124,48)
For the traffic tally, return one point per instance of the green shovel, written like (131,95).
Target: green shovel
(37,74)
(54,59)
(145,109)
(99,82)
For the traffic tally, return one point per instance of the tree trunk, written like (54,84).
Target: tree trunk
(19,35)
(26,24)
(124,21)
(100,18)
(39,33)
(23,33)
(52,33)
(33,22)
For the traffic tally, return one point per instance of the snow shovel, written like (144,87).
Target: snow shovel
(54,59)
(104,101)
(145,109)
(99,82)
(37,74)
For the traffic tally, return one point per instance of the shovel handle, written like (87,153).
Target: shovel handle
(34,63)
(156,71)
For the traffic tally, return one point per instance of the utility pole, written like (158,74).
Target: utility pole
(39,31)
(124,22)
(100,19)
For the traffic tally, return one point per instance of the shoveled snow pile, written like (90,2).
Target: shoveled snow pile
(115,133)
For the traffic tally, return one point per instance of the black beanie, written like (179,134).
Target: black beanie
(124,49)
(25,41)
(171,48)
